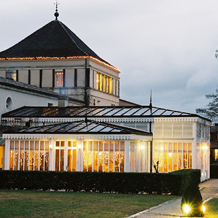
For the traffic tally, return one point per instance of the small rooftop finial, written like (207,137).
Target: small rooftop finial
(56,14)
(151,98)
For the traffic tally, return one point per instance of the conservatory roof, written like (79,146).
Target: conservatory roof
(82,127)
(94,112)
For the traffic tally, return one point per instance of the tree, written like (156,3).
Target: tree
(211,111)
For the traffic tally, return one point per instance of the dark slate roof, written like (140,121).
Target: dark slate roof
(102,112)
(82,127)
(52,40)
(23,86)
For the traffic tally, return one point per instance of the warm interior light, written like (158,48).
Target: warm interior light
(50,146)
(203,208)
(170,154)
(186,208)
(79,146)
(142,147)
(161,148)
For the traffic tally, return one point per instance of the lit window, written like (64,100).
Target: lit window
(101,83)
(216,154)
(111,86)
(107,89)
(59,78)
(105,83)
(14,76)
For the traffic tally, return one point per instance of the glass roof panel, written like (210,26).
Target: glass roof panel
(107,129)
(129,113)
(141,111)
(99,112)
(157,112)
(167,113)
(176,113)
(116,130)
(98,128)
(112,111)
(119,113)
(147,112)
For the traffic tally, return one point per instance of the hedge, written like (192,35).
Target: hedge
(187,177)
(214,171)
(173,183)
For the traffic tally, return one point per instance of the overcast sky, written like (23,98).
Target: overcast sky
(164,45)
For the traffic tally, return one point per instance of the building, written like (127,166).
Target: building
(54,58)
(14,94)
(93,133)
(178,140)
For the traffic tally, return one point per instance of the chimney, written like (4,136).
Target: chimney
(62,101)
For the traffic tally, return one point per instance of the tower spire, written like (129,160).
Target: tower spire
(56,14)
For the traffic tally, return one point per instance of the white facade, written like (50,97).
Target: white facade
(75,77)
(12,98)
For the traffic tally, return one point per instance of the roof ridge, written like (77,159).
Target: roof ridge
(62,25)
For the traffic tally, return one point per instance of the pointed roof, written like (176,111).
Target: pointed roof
(52,40)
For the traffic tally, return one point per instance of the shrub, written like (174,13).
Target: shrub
(192,198)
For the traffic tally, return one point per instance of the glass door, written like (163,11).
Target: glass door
(59,156)
(65,155)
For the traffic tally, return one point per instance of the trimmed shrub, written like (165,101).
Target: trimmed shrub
(159,183)
(192,198)
(188,176)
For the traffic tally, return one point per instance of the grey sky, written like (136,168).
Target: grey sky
(167,46)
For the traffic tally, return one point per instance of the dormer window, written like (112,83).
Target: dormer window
(59,78)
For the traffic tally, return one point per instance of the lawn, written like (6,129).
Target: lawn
(74,204)
(212,208)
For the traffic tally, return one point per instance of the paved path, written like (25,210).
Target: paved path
(172,208)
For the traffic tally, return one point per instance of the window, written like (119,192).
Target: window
(216,154)
(8,103)
(98,81)
(101,82)
(29,155)
(59,78)
(103,156)
(104,83)
(111,86)
(75,78)
(12,75)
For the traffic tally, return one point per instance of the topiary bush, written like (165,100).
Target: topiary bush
(192,203)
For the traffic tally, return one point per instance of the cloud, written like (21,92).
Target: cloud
(167,46)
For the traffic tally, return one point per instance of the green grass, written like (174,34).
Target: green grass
(212,208)
(74,204)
